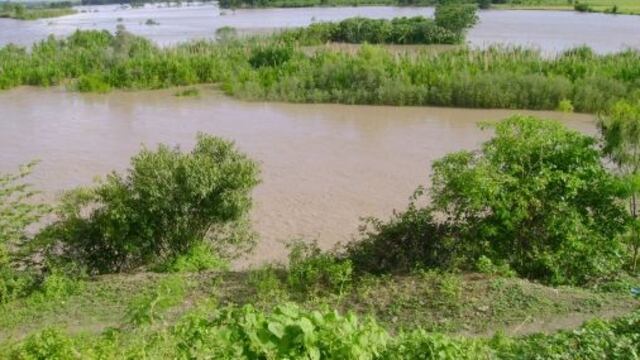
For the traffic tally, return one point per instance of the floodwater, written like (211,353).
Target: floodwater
(323,166)
(550,31)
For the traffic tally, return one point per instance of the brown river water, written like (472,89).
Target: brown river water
(323,166)
(550,31)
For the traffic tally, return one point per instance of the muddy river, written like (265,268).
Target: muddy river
(550,31)
(323,166)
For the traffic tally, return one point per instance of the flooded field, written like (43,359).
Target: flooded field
(323,166)
(554,30)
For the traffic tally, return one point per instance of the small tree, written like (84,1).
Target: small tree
(620,129)
(18,211)
(167,203)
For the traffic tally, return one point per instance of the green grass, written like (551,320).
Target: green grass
(36,13)
(623,6)
(463,304)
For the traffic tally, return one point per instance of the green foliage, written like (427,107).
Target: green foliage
(34,11)
(565,106)
(582,7)
(270,55)
(278,68)
(486,266)
(311,270)
(620,129)
(50,343)
(457,17)
(151,305)
(410,239)
(167,203)
(268,284)
(232,4)
(357,30)
(420,345)
(199,258)
(19,210)
(535,198)
(287,333)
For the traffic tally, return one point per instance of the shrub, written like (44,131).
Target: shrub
(456,17)
(18,211)
(409,240)
(311,270)
(168,203)
(535,198)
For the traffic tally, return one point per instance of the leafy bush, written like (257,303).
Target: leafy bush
(409,240)
(457,17)
(536,197)
(168,203)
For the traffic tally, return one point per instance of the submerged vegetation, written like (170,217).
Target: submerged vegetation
(282,68)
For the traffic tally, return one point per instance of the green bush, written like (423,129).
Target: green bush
(168,203)
(536,197)
(311,270)
(457,17)
(410,239)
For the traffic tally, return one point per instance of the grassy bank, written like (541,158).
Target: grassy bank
(472,304)
(631,7)
(22,12)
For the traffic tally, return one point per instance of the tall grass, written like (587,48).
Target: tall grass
(491,78)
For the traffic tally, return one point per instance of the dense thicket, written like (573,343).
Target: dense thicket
(449,27)
(168,203)
(492,78)
(289,332)
(536,197)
